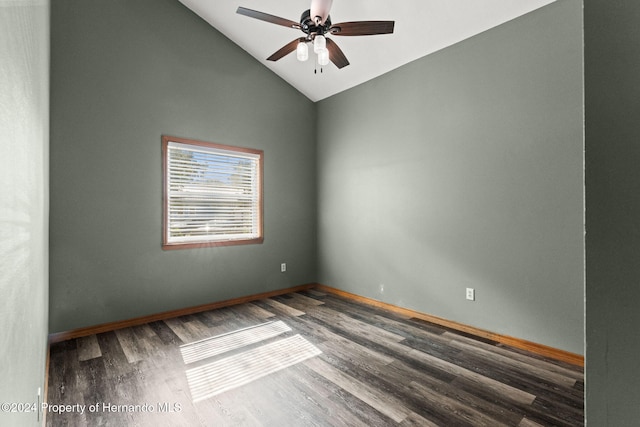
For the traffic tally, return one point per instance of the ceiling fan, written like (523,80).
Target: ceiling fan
(316,23)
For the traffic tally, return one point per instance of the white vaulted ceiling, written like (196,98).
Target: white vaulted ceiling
(421,27)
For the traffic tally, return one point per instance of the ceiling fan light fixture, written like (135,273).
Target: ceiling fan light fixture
(302,51)
(319,43)
(323,57)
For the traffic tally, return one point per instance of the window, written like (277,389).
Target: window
(212,194)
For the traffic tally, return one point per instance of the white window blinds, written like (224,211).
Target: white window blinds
(213,194)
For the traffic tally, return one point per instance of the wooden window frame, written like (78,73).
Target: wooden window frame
(209,242)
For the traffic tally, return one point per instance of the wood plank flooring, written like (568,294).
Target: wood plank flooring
(305,359)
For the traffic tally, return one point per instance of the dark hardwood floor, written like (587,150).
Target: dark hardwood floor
(305,359)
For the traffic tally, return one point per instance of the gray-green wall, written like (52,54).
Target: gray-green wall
(465,169)
(125,72)
(111,77)
(24,204)
(612,141)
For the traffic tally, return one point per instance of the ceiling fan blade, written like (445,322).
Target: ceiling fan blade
(268,18)
(362,28)
(335,54)
(285,50)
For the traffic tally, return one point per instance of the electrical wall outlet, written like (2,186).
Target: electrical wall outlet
(471,294)
(283,267)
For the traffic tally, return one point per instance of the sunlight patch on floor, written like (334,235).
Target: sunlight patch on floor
(219,344)
(225,374)
(243,367)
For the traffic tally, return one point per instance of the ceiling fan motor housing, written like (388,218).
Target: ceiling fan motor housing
(320,11)
(309,27)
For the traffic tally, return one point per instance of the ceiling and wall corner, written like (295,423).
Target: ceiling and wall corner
(422,27)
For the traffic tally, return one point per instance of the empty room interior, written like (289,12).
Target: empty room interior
(450,240)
